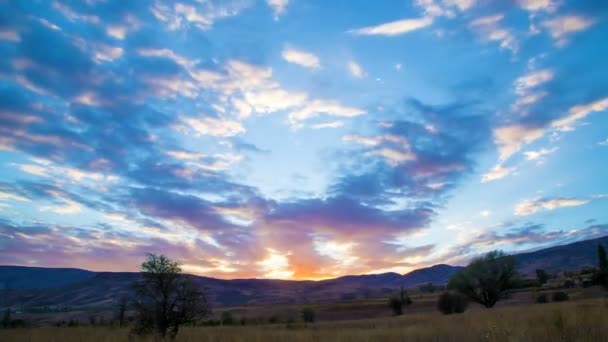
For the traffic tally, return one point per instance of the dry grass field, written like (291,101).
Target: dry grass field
(581,320)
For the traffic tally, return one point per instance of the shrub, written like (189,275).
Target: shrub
(308,314)
(569,284)
(542,276)
(274,319)
(396,303)
(559,296)
(542,298)
(227,318)
(450,302)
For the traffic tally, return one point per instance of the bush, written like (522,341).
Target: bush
(450,302)
(397,302)
(569,284)
(559,296)
(542,298)
(308,315)
(274,319)
(227,318)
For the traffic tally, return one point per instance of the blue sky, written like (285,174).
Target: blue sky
(299,139)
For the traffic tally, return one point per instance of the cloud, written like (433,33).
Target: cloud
(201,15)
(529,207)
(447,8)
(394,28)
(355,69)
(538,5)
(579,112)
(316,107)
(496,173)
(212,126)
(528,82)
(511,138)
(539,154)
(560,28)
(278,6)
(489,29)
(302,58)
(330,124)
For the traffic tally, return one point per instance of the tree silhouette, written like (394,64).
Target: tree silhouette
(486,278)
(165,298)
(602,273)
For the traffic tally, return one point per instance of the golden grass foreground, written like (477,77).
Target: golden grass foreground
(584,320)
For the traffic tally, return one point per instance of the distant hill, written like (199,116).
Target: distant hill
(58,287)
(19,277)
(566,257)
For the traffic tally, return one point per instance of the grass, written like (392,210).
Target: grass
(582,320)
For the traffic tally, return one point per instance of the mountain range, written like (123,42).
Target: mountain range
(68,287)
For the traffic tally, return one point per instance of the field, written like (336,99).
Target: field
(582,319)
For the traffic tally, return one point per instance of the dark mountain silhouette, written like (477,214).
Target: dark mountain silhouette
(565,257)
(52,287)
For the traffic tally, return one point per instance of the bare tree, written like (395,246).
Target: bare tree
(166,299)
(486,278)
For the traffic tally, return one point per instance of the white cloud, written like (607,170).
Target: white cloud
(489,29)
(394,28)
(510,139)
(68,207)
(485,213)
(603,142)
(11,196)
(529,207)
(538,5)
(278,6)
(538,155)
(272,100)
(316,107)
(532,80)
(444,8)
(331,124)
(178,15)
(362,140)
(300,57)
(107,53)
(497,172)
(579,112)
(398,66)
(212,126)
(117,31)
(393,156)
(561,27)
(355,69)
(33,169)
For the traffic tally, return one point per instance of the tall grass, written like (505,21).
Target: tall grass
(585,320)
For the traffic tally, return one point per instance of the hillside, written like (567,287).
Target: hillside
(39,287)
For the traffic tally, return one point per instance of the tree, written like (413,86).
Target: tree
(486,278)
(6,319)
(308,315)
(122,303)
(397,302)
(542,276)
(166,299)
(602,273)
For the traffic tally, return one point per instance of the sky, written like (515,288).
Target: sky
(299,139)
